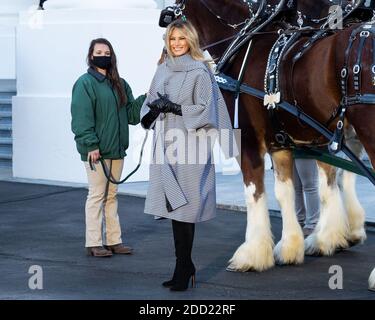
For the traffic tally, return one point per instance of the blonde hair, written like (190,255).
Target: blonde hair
(191,35)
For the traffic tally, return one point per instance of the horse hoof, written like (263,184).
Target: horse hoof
(290,250)
(352,243)
(357,237)
(315,254)
(234,268)
(371,281)
(231,268)
(252,256)
(341,249)
(324,245)
(311,247)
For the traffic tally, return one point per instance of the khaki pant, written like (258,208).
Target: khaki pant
(102,221)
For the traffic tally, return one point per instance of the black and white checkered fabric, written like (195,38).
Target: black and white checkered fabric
(189,184)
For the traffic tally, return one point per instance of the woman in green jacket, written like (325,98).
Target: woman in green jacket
(102,108)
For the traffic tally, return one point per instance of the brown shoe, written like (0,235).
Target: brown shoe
(98,252)
(120,249)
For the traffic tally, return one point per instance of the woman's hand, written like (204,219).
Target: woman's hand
(93,155)
(166,105)
(158,104)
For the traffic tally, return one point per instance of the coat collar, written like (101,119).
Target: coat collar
(184,63)
(97,75)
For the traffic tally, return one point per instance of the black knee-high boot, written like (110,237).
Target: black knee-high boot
(176,237)
(183,235)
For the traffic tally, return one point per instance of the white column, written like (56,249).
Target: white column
(9,10)
(168,2)
(52,46)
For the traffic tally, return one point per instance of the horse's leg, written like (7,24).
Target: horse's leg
(290,249)
(256,252)
(355,212)
(332,229)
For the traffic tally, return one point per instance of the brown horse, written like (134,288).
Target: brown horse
(315,87)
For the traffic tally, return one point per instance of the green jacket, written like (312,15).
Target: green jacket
(97,121)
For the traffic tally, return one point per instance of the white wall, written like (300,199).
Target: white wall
(164,3)
(9,10)
(51,51)
(8,52)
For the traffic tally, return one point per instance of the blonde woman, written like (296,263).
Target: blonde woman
(184,102)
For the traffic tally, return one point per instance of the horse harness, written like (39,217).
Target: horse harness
(361,34)
(264,15)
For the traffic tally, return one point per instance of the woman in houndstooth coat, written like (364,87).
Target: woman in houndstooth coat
(187,113)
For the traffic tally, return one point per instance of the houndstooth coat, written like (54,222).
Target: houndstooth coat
(182,172)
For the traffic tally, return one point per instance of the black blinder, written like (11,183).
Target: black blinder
(167,16)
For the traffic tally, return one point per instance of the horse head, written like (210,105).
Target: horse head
(215,19)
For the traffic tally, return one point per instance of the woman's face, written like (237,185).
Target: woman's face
(101,49)
(178,43)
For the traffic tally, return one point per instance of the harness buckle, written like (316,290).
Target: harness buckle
(356,69)
(364,34)
(220,79)
(344,72)
(177,12)
(340,125)
(298,55)
(300,20)
(272,68)
(306,44)
(280,138)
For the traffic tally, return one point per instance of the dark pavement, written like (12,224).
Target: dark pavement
(44,225)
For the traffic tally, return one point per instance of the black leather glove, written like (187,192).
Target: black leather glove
(150,117)
(158,104)
(165,105)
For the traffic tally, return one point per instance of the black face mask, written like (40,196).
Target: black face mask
(102,62)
